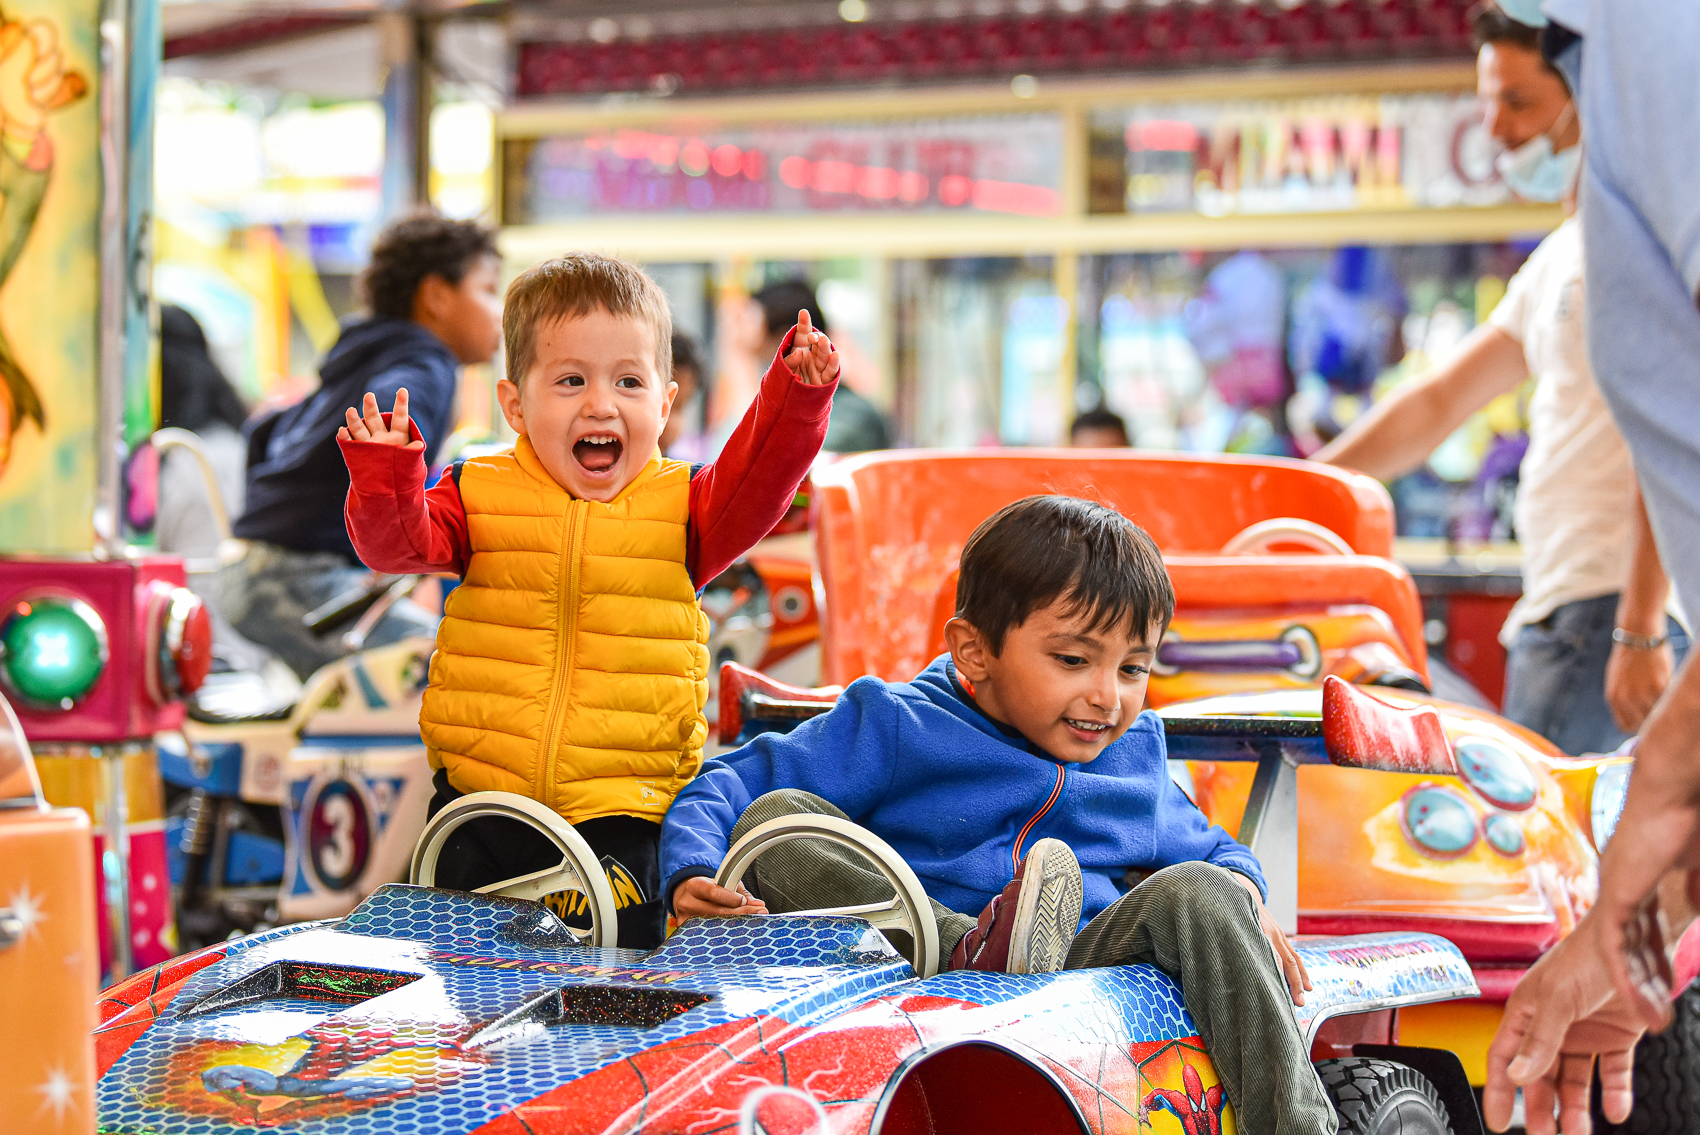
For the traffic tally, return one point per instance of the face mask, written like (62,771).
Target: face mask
(1533,171)
(1524,12)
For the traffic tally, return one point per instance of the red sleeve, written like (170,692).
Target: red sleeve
(396,524)
(740,497)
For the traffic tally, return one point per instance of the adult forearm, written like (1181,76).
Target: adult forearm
(1641,605)
(1657,829)
(1401,430)
(1393,438)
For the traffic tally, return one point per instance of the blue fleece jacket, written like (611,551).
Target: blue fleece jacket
(297,479)
(958,796)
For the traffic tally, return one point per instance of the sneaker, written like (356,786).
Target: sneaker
(1029,926)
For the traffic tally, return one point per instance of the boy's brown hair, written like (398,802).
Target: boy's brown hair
(575,285)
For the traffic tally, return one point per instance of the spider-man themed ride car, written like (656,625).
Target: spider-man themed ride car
(1283,577)
(432,1010)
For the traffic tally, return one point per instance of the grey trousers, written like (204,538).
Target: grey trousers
(1193,921)
(805,874)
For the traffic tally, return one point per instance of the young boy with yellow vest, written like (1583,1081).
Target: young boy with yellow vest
(572,661)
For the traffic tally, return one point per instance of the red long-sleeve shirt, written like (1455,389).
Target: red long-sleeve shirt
(399,526)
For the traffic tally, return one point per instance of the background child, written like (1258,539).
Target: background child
(433,291)
(1027,740)
(571,663)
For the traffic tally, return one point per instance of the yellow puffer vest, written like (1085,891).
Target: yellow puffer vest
(572,661)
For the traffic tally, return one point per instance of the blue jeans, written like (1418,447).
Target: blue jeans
(1555,676)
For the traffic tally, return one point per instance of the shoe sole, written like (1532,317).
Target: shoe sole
(1047,910)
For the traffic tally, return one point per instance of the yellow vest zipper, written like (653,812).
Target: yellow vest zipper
(566,622)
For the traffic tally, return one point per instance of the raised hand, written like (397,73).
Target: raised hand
(368,425)
(812,358)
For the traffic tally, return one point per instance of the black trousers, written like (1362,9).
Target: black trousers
(489,850)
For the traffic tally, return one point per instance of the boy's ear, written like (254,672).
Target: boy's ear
(667,397)
(968,649)
(431,297)
(507,393)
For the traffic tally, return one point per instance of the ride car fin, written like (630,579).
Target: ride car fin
(750,698)
(1361,731)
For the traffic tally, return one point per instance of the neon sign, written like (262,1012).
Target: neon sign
(1299,155)
(1006,164)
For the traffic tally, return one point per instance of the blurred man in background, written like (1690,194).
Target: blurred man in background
(857,425)
(1098,429)
(682,436)
(1587,641)
(194,395)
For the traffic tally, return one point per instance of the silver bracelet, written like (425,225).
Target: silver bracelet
(1638,641)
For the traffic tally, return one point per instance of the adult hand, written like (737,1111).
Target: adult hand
(700,897)
(1292,966)
(1634,681)
(1561,1017)
(811,358)
(369,425)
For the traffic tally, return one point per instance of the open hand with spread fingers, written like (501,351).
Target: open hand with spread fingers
(812,358)
(368,424)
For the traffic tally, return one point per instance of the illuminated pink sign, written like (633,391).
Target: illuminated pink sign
(990,164)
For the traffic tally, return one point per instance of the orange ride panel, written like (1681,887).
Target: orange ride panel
(890,528)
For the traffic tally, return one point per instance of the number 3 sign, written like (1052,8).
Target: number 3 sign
(339,834)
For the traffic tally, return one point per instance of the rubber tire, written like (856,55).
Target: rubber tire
(1667,1077)
(1379,1097)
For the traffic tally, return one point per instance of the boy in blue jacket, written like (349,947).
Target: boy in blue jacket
(1018,778)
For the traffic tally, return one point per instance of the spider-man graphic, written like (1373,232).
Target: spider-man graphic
(332,1069)
(1199,1111)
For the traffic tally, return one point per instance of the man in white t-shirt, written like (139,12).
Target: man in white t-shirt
(1586,642)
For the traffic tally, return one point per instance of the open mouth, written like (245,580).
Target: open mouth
(597,453)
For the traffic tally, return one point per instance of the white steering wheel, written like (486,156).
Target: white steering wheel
(579,869)
(908,910)
(1260,539)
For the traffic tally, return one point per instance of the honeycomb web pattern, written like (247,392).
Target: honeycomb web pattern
(805,971)
(811,968)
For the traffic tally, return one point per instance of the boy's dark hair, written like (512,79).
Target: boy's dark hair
(1029,554)
(1488,24)
(415,247)
(781,302)
(193,392)
(1099,419)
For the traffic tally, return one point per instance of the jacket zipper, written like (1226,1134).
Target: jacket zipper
(566,621)
(1056,791)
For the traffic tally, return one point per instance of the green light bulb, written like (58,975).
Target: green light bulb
(52,650)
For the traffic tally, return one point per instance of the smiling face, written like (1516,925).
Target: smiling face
(1066,686)
(593,401)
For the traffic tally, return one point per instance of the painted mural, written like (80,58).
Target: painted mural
(50,177)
